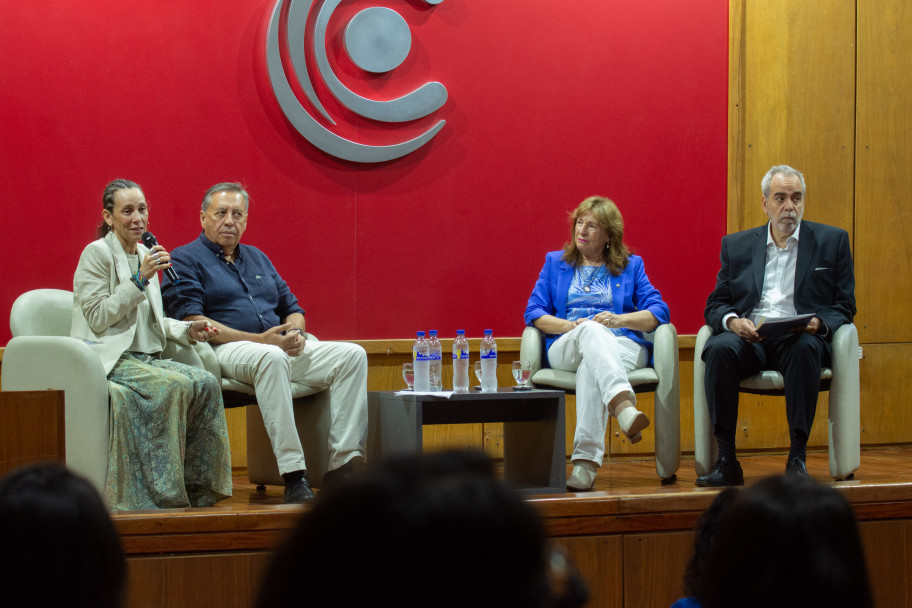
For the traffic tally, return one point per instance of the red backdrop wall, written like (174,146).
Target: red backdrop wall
(549,102)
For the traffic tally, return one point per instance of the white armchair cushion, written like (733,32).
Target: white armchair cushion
(842,380)
(662,378)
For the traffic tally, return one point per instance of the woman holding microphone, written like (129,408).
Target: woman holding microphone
(168,444)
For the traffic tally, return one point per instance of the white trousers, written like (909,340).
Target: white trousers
(601,361)
(338,366)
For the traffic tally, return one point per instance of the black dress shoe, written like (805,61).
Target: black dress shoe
(297,490)
(795,466)
(727,472)
(337,477)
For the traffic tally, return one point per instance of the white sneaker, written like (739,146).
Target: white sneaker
(632,421)
(583,476)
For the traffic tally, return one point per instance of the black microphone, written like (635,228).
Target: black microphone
(149,241)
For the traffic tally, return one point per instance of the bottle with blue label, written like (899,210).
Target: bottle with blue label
(422,363)
(460,362)
(436,369)
(488,362)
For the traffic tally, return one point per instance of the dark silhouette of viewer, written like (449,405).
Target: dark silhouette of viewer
(787,542)
(707,525)
(423,530)
(58,546)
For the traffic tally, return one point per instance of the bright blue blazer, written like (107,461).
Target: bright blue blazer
(631,289)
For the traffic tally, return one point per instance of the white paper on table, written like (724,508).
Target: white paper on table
(435,393)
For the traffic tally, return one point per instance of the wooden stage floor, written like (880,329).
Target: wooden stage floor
(879,467)
(628,496)
(630,537)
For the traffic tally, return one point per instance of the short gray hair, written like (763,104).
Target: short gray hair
(784,170)
(225,187)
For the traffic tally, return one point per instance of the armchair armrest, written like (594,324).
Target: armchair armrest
(667,401)
(845,404)
(208,359)
(704,441)
(182,354)
(68,364)
(530,348)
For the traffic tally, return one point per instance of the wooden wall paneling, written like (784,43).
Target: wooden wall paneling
(885,372)
(883,180)
(886,546)
(617,444)
(226,580)
(654,568)
(600,560)
(236,417)
(762,424)
(737,112)
(685,369)
(32,428)
(793,74)
(886,382)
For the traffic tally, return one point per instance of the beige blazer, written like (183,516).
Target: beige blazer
(105,301)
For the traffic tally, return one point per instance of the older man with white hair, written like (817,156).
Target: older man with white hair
(261,339)
(785,269)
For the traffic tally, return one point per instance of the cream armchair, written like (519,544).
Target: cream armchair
(662,379)
(312,419)
(42,355)
(841,380)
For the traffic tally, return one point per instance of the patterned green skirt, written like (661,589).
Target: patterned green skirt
(168,439)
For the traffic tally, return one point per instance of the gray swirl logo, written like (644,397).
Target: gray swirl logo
(377,40)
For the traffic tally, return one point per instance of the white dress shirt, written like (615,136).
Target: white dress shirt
(777,298)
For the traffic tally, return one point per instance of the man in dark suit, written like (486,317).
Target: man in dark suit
(787,267)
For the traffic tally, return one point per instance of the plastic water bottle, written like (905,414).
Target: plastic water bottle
(436,353)
(488,362)
(422,364)
(460,362)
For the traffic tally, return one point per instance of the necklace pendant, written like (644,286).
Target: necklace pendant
(586,288)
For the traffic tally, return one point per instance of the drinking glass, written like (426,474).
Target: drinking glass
(522,370)
(478,371)
(408,374)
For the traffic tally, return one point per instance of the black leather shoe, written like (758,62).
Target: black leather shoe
(297,490)
(337,477)
(795,466)
(727,472)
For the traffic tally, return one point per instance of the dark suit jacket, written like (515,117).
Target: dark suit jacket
(824,276)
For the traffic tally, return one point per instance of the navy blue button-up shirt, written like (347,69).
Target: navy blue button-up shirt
(248,295)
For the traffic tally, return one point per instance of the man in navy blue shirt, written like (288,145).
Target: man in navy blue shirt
(261,339)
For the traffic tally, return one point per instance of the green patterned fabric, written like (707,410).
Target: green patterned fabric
(169,440)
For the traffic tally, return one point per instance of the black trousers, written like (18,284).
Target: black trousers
(729,359)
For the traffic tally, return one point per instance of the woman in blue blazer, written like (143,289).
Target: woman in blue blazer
(592,301)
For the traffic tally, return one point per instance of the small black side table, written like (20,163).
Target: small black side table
(534,444)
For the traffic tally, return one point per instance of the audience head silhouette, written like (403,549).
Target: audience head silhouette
(423,530)
(707,526)
(58,545)
(787,541)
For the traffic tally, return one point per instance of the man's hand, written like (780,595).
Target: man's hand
(745,329)
(292,342)
(812,327)
(201,330)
